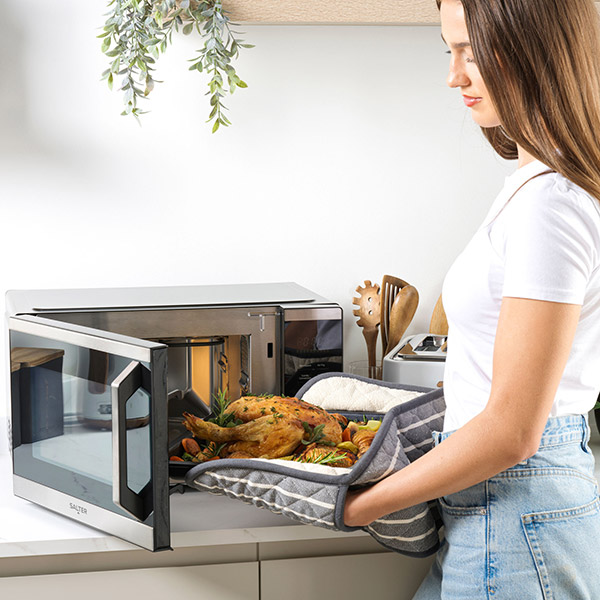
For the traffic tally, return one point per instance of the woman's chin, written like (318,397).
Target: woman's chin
(484,120)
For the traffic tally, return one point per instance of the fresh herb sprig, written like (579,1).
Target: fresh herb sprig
(220,415)
(315,434)
(324,459)
(212,449)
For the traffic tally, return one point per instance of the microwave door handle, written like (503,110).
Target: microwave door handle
(122,388)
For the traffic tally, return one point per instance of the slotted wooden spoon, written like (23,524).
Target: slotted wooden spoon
(369,313)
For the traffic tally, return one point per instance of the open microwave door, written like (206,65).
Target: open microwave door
(89,427)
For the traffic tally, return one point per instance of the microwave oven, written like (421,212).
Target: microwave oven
(100,378)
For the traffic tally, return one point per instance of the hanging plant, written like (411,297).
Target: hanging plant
(137,32)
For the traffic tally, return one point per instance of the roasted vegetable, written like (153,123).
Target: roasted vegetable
(363,439)
(371,424)
(190,446)
(348,446)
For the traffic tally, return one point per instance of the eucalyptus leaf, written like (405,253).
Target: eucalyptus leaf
(142,29)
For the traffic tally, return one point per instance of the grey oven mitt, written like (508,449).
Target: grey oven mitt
(315,494)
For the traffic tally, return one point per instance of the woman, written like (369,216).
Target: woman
(512,468)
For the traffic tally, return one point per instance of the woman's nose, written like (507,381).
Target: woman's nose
(456,76)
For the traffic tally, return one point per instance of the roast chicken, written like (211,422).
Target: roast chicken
(272,426)
(265,437)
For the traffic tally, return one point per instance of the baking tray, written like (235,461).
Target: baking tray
(178,470)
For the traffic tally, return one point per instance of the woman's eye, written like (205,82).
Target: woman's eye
(467,58)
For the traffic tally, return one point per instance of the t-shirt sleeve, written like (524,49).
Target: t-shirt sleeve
(550,245)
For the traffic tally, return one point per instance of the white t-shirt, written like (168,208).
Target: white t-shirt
(543,244)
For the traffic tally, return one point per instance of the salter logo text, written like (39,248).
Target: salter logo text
(80,510)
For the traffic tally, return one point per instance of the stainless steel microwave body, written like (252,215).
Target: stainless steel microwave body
(99,379)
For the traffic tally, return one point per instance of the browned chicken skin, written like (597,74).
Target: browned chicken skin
(249,408)
(270,436)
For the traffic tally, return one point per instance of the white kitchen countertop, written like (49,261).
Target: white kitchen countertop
(197,519)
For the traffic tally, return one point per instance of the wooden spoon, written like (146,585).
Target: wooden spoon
(401,314)
(370,317)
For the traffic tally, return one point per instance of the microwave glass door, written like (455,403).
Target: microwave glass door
(313,342)
(89,427)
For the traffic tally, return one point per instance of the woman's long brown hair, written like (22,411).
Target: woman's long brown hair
(540,61)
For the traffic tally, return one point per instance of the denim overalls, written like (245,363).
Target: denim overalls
(531,532)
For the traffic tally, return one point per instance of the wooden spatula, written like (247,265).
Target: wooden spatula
(390,286)
(401,314)
(369,315)
(439,323)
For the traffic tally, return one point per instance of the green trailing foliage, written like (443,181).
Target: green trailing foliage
(137,32)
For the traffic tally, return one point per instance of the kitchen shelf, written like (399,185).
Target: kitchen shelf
(333,12)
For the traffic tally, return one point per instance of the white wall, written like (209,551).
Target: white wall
(348,158)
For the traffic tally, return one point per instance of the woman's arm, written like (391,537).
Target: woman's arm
(532,345)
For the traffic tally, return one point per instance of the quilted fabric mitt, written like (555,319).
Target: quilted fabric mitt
(315,494)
